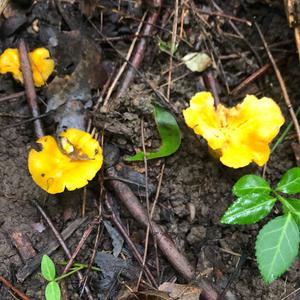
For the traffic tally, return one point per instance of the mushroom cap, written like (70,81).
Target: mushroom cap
(240,134)
(41,64)
(71,165)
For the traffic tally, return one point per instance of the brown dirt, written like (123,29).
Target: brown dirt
(193,181)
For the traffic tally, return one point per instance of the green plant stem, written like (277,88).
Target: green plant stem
(284,134)
(285,202)
(69,273)
(63,263)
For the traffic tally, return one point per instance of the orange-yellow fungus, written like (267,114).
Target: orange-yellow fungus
(239,134)
(69,163)
(41,64)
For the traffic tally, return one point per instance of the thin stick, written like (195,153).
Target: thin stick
(13,288)
(31,265)
(29,88)
(240,34)
(173,45)
(121,70)
(224,16)
(27,121)
(147,204)
(139,53)
(90,265)
(12,96)
(152,212)
(85,236)
(284,133)
(115,219)
(291,294)
(84,195)
(162,98)
(63,244)
(99,227)
(281,83)
(210,83)
(17,116)
(251,78)
(103,91)
(166,245)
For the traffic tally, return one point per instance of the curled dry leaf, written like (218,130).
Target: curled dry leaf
(180,291)
(197,61)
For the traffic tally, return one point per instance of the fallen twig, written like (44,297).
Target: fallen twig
(63,244)
(147,204)
(34,263)
(117,222)
(12,96)
(281,83)
(240,34)
(172,50)
(166,245)
(27,121)
(121,70)
(139,53)
(84,237)
(29,88)
(224,16)
(251,78)
(13,288)
(210,84)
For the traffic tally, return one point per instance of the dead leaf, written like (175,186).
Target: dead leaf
(117,239)
(197,61)
(180,291)
(127,294)
(39,227)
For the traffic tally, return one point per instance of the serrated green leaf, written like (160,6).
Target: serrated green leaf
(52,291)
(248,209)
(292,205)
(251,184)
(169,133)
(277,246)
(48,268)
(290,182)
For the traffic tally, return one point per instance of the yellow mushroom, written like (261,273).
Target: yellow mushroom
(240,134)
(70,164)
(41,64)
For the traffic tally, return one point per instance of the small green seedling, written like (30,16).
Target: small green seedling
(167,47)
(277,243)
(52,291)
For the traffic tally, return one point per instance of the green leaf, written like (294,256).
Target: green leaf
(248,209)
(169,133)
(52,291)
(168,47)
(292,205)
(277,246)
(48,268)
(290,181)
(249,184)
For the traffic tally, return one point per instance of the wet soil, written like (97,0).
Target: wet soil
(196,189)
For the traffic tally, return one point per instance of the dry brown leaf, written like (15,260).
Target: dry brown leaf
(180,291)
